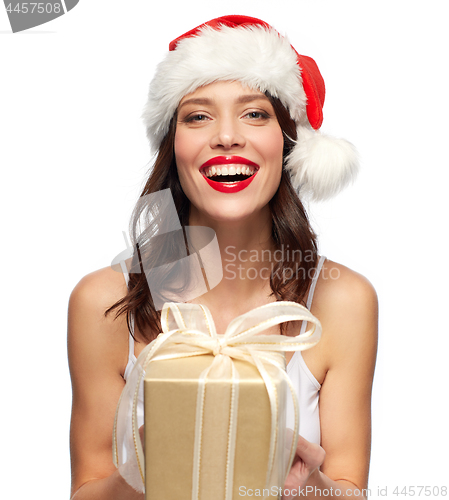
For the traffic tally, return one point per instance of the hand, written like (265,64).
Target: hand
(309,456)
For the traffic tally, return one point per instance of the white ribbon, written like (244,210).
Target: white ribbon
(189,330)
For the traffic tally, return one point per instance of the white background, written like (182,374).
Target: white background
(73,157)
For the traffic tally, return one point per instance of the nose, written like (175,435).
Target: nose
(227,134)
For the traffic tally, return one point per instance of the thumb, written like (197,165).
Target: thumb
(310,453)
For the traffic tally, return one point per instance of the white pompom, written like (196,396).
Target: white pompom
(320,166)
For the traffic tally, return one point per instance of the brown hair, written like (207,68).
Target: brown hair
(290,229)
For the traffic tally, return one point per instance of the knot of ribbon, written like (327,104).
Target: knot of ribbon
(219,345)
(188,330)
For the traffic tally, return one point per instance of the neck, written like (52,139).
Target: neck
(246,248)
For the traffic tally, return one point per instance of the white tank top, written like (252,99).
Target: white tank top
(306,385)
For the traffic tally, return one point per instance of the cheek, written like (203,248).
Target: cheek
(182,150)
(272,151)
(186,154)
(188,145)
(272,147)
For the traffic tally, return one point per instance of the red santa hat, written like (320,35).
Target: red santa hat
(251,51)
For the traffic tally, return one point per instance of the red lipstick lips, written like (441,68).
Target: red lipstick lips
(229,187)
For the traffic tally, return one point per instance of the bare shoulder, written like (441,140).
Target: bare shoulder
(99,289)
(342,288)
(346,304)
(90,331)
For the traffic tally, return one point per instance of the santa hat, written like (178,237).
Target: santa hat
(251,51)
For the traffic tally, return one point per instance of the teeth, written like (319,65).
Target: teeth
(229,170)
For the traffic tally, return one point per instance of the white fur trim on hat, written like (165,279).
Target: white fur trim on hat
(261,59)
(252,55)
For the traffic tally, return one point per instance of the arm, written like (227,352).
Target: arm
(97,349)
(347,309)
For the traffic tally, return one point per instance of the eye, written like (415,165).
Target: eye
(196,118)
(257,115)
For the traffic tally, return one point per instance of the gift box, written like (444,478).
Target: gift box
(174,461)
(214,404)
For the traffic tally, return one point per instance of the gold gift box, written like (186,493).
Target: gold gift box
(170,395)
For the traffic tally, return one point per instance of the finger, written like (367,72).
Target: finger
(310,453)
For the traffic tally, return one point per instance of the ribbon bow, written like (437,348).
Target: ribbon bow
(189,330)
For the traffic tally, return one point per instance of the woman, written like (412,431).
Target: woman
(234,114)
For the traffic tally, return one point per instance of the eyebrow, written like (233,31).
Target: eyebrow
(241,100)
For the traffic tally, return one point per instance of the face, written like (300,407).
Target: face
(228,149)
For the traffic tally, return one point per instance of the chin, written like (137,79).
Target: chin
(228,211)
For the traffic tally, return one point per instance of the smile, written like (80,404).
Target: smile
(229,174)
